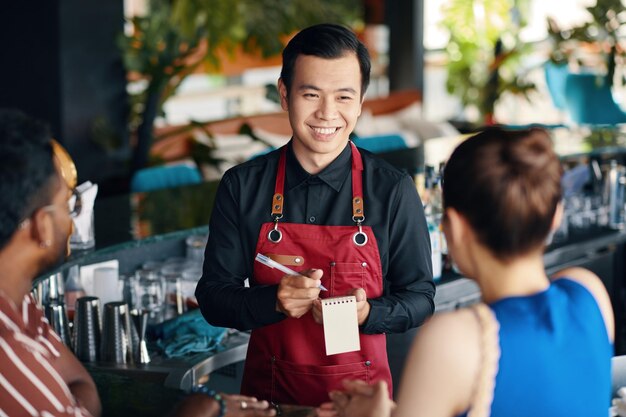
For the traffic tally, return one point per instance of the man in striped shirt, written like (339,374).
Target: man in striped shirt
(39,375)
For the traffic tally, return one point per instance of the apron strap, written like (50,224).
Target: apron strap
(358,213)
(278,199)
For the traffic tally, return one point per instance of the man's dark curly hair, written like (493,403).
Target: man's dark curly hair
(26,170)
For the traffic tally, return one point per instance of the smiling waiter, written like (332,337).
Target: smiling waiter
(337,214)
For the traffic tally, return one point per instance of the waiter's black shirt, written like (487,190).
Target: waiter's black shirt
(392,209)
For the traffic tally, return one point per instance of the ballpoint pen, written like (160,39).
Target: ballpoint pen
(273,264)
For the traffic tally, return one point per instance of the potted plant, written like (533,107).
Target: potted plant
(484,53)
(175,37)
(594,43)
(580,71)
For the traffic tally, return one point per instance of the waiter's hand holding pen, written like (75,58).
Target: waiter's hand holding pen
(296,290)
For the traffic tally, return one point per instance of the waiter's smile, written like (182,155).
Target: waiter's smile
(324,133)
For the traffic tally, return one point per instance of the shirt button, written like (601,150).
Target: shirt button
(312,219)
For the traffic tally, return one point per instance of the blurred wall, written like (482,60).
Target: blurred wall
(60,63)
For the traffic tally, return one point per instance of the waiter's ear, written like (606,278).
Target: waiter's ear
(282,91)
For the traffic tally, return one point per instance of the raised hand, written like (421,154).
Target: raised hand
(361,400)
(296,293)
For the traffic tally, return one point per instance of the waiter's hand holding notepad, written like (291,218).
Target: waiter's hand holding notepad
(341,325)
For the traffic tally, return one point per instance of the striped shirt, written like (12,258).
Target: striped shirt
(29,383)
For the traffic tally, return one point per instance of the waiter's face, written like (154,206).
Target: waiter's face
(324,103)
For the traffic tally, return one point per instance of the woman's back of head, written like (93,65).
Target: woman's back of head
(507,185)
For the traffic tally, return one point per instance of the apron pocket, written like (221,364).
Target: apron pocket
(345,276)
(309,384)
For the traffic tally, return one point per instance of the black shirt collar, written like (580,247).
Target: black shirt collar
(333,175)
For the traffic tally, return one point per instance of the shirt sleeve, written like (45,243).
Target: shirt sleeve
(29,383)
(409,293)
(223,299)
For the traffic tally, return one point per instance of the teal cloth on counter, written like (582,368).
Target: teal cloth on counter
(188,333)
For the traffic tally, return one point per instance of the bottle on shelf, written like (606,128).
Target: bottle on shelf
(73,290)
(432,210)
(435,246)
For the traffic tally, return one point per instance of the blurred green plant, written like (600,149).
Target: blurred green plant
(599,35)
(174,37)
(173,209)
(484,53)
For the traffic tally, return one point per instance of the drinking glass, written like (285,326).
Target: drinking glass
(150,293)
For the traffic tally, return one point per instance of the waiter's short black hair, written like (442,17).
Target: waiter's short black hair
(26,169)
(327,41)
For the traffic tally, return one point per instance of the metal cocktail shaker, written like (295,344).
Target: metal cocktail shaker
(87,329)
(116,343)
(57,317)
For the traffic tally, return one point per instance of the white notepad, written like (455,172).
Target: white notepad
(341,325)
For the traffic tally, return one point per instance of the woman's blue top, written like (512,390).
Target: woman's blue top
(555,355)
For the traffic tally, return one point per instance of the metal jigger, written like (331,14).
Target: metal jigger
(140,320)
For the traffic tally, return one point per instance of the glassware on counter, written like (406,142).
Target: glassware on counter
(615,183)
(175,301)
(150,291)
(195,248)
(191,276)
(73,290)
(582,212)
(107,285)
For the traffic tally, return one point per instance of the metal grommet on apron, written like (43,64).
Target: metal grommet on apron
(359,238)
(275,235)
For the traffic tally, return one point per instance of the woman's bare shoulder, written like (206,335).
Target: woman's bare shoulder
(594,285)
(442,366)
(452,326)
(453,340)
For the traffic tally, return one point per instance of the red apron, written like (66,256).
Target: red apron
(286,361)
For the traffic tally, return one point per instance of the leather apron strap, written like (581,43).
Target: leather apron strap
(358,211)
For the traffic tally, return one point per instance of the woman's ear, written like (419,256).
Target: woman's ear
(455,226)
(557,218)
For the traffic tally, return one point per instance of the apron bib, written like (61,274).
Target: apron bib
(286,362)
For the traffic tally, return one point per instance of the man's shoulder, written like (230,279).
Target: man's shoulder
(12,317)
(254,166)
(382,168)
